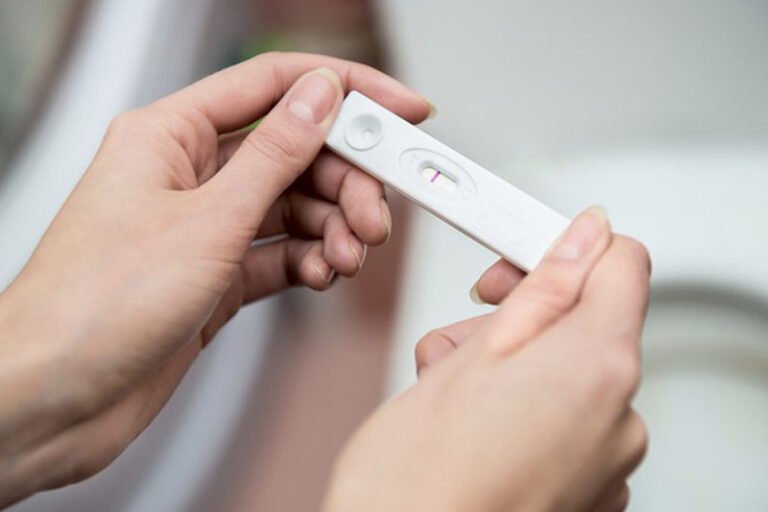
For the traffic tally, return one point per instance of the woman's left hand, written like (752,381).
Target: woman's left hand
(525,408)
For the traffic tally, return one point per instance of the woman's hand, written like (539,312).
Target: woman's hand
(152,253)
(527,408)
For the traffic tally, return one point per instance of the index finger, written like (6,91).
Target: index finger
(438,344)
(239,95)
(496,283)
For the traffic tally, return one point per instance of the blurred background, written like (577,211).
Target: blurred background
(657,110)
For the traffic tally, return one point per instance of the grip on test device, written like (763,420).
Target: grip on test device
(473,200)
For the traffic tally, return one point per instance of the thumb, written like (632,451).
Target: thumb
(554,287)
(284,144)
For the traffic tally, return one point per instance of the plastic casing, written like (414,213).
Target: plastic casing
(483,206)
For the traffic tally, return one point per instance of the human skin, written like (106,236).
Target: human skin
(527,408)
(152,254)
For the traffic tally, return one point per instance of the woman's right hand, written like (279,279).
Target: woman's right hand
(153,253)
(528,408)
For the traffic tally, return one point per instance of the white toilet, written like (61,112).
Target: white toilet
(656,110)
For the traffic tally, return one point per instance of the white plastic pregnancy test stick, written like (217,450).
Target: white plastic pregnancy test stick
(449,185)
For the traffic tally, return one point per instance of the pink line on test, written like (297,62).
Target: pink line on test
(437,173)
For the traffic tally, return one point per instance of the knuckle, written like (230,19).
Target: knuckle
(366,69)
(438,336)
(421,352)
(637,253)
(618,374)
(126,122)
(271,55)
(641,437)
(622,500)
(275,146)
(637,440)
(425,346)
(550,291)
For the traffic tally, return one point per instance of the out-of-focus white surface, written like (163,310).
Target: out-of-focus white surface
(706,400)
(656,110)
(523,77)
(127,54)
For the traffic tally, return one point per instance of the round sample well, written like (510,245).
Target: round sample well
(364,132)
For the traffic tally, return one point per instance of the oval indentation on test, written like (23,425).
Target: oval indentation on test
(440,173)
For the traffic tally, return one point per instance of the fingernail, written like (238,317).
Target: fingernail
(314,96)
(582,234)
(386,217)
(432,108)
(474,295)
(354,246)
(326,273)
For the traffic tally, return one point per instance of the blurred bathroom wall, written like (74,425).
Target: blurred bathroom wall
(34,39)
(557,77)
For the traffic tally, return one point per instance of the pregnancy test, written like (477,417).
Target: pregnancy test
(457,190)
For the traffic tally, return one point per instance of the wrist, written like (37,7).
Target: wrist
(31,403)
(33,361)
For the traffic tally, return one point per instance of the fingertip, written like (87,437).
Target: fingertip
(371,222)
(497,282)
(400,99)
(430,350)
(423,110)
(375,227)
(315,96)
(314,271)
(386,219)
(474,295)
(359,251)
(363,202)
(589,231)
(333,76)
(325,275)
(343,251)
(431,108)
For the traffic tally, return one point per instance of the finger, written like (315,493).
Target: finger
(361,197)
(440,343)
(615,296)
(554,287)
(229,144)
(237,96)
(297,215)
(496,283)
(341,248)
(627,454)
(309,218)
(616,499)
(632,443)
(284,144)
(272,268)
